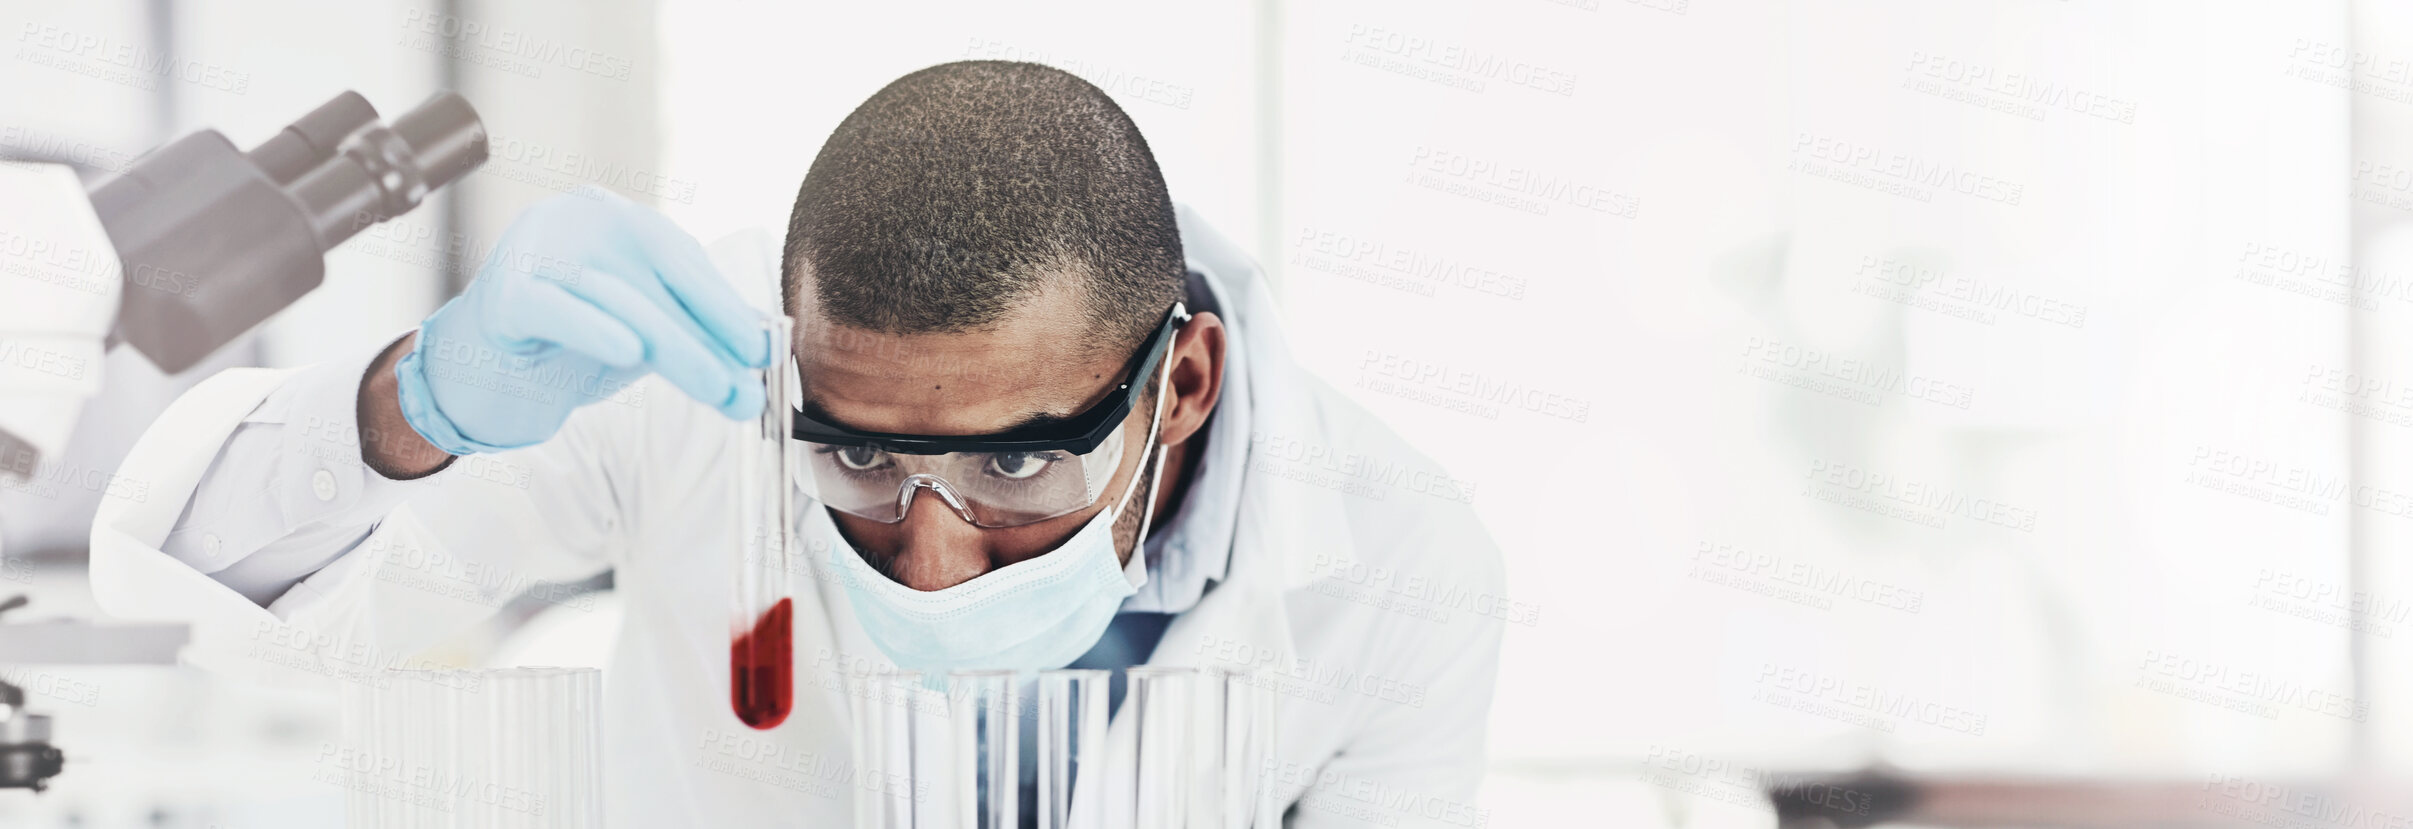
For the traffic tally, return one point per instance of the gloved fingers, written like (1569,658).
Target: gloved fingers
(543,310)
(675,351)
(683,266)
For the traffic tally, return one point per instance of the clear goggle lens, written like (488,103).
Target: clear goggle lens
(989,489)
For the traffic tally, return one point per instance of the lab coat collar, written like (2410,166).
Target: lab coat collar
(1195,548)
(1245,622)
(1280,528)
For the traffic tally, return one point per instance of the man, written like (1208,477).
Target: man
(1046,420)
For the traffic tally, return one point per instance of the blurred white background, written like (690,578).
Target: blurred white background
(1973,388)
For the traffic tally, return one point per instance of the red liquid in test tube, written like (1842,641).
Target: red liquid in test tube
(762,669)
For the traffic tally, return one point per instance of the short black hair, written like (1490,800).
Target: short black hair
(959,190)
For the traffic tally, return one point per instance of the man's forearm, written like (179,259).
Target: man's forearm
(388,444)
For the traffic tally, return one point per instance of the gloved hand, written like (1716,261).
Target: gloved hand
(585,294)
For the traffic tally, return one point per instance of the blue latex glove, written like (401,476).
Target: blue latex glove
(585,294)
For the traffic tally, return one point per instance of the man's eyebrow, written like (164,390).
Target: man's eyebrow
(1034,420)
(813,410)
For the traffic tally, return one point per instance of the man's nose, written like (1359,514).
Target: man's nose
(940,548)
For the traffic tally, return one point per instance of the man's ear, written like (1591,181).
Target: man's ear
(1197,355)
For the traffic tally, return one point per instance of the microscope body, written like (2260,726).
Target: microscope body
(195,244)
(213,240)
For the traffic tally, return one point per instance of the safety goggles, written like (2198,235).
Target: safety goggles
(1008,479)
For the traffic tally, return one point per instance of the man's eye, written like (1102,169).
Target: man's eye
(1017,466)
(859,458)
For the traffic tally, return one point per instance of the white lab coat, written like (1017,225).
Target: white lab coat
(1357,573)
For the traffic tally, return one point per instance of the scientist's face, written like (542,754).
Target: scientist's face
(985,382)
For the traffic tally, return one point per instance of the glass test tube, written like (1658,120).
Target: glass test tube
(984,720)
(898,743)
(1071,736)
(761,620)
(491,749)
(1160,702)
(550,771)
(1251,715)
(1205,775)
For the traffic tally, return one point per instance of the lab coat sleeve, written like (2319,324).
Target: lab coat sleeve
(1418,755)
(287,493)
(254,480)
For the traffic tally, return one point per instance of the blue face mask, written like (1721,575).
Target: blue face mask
(1037,614)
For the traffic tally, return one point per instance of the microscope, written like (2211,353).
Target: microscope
(255,227)
(210,240)
(27,759)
